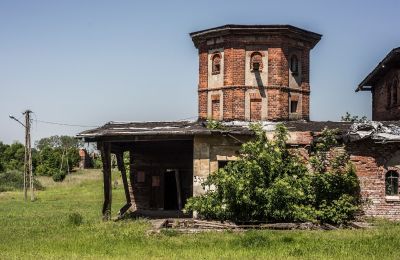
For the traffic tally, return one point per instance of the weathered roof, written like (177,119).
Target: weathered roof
(176,128)
(391,60)
(192,128)
(197,36)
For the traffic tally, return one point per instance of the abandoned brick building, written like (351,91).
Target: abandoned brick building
(246,73)
(383,82)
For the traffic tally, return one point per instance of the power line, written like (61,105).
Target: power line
(64,124)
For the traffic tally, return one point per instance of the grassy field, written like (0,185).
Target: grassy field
(42,230)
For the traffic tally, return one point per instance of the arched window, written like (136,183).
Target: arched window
(394,89)
(392,183)
(389,95)
(294,64)
(216,63)
(256,63)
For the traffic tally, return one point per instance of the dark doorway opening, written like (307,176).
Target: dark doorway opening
(170,191)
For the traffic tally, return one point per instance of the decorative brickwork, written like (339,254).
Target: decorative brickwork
(266,49)
(384,84)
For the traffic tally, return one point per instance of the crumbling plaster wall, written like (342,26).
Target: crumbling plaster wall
(207,151)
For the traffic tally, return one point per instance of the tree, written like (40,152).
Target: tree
(55,153)
(353,119)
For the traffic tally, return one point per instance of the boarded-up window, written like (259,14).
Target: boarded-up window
(215,107)
(155,181)
(255,107)
(141,176)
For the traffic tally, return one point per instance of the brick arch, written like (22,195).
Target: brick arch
(256,57)
(216,62)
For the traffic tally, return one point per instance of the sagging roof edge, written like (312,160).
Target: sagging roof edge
(376,70)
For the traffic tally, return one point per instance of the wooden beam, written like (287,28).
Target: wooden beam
(105,149)
(178,189)
(122,169)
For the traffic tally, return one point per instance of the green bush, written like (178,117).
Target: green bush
(14,180)
(270,183)
(59,176)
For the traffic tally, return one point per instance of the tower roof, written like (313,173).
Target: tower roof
(235,29)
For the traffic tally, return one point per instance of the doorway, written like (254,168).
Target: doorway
(170,191)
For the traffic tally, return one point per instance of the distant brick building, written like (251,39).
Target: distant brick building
(249,73)
(254,72)
(384,84)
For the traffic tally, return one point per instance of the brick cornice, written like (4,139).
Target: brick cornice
(286,88)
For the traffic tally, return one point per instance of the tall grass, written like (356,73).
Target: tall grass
(65,222)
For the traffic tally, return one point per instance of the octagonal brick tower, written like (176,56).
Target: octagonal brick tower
(254,72)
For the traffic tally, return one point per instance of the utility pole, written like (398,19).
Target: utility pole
(28,154)
(29,147)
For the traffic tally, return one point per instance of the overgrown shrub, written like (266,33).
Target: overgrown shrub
(14,180)
(59,176)
(270,183)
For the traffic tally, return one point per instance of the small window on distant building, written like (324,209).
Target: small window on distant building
(392,183)
(256,63)
(293,106)
(216,63)
(294,64)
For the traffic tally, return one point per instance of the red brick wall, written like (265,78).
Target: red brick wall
(234,88)
(370,159)
(215,107)
(255,109)
(381,110)
(203,101)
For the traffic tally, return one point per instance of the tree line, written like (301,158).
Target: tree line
(53,156)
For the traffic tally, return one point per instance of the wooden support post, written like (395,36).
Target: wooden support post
(178,189)
(122,169)
(105,149)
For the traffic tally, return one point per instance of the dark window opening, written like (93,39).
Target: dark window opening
(293,106)
(222,164)
(392,183)
(170,191)
(256,62)
(216,63)
(294,65)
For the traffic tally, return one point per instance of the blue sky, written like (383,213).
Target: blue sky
(89,62)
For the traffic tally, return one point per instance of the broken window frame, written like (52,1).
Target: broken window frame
(392,183)
(216,63)
(256,63)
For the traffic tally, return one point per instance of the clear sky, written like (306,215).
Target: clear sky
(89,62)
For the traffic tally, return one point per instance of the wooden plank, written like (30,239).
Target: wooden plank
(122,169)
(105,151)
(178,189)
